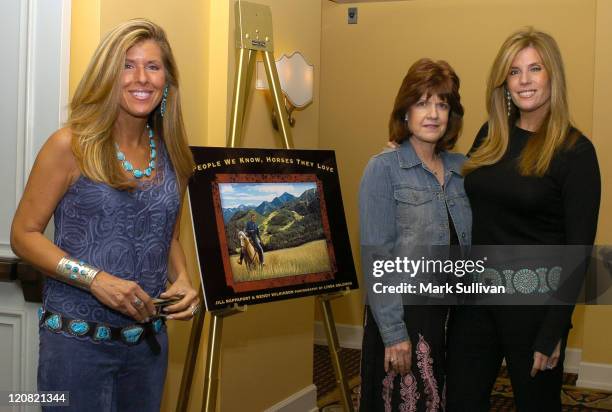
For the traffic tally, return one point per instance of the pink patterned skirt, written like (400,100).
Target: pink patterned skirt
(422,389)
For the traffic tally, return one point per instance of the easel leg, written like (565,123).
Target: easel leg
(240,96)
(191,358)
(251,59)
(334,351)
(211,376)
(213,354)
(277,99)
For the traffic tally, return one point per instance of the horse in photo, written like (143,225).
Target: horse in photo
(248,252)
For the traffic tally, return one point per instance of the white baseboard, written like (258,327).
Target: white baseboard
(595,376)
(573,356)
(349,336)
(304,400)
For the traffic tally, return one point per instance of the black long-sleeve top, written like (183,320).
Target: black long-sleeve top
(559,208)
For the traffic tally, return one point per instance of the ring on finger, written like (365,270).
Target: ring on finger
(137,302)
(549,366)
(195,309)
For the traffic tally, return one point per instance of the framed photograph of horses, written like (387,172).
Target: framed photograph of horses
(268,225)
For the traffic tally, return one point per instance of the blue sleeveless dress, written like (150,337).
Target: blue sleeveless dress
(125,233)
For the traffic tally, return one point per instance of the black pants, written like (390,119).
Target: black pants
(478,339)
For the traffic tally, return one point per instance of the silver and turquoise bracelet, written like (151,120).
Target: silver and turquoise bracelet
(76,273)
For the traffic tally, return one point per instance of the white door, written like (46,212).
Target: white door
(35,46)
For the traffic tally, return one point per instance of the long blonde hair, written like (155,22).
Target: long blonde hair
(95,106)
(553,134)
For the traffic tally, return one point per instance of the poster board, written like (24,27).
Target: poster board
(286,201)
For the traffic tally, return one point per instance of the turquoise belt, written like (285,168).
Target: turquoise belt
(99,332)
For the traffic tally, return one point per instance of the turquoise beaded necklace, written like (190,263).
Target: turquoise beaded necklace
(130,168)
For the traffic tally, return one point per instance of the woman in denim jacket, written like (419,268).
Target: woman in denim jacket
(411,197)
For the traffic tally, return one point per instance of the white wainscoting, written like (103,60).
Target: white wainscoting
(18,341)
(11,352)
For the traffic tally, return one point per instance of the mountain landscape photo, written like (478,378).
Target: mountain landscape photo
(290,226)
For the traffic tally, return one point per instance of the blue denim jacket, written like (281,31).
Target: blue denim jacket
(402,206)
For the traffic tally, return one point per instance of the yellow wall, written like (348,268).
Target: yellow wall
(575,338)
(85,27)
(597,338)
(362,67)
(267,352)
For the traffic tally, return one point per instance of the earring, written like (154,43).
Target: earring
(406,117)
(508,102)
(162,108)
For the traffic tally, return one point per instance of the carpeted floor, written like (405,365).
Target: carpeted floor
(574,399)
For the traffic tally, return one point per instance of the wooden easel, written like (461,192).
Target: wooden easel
(253,36)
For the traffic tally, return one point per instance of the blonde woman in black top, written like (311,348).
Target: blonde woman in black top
(532,179)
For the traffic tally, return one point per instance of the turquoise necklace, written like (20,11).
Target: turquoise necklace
(130,168)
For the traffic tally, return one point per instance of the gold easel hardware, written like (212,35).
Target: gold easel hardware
(334,346)
(254,35)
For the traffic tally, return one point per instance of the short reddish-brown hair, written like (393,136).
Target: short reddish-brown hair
(428,77)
